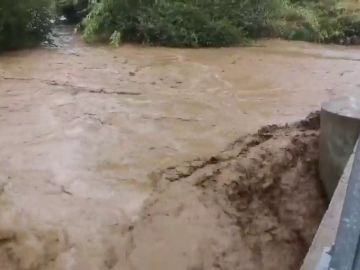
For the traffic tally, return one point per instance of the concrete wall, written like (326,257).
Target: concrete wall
(326,234)
(340,128)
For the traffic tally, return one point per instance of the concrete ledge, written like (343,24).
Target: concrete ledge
(326,234)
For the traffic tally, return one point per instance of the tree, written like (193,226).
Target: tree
(23,23)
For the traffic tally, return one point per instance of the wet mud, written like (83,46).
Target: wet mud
(256,205)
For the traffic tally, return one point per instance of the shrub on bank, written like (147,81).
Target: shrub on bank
(183,23)
(332,21)
(23,23)
(214,23)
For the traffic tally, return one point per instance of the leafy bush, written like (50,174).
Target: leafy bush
(184,23)
(349,24)
(23,23)
(301,23)
(213,23)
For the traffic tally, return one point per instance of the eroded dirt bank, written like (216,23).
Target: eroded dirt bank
(254,206)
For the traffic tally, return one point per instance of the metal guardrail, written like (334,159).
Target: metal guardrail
(345,253)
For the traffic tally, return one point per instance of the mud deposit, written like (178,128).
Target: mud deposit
(256,205)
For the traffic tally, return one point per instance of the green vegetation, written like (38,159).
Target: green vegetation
(23,23)
(213,23)
(189,23)
(184,23)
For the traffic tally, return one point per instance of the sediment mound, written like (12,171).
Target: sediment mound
(256,205)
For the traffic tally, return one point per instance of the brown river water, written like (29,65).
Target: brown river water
(85,128)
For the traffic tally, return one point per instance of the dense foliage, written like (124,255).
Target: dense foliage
(194,23)
(23,23)
(184,23)
(177,23)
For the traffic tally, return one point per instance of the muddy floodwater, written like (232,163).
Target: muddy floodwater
(86,129)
